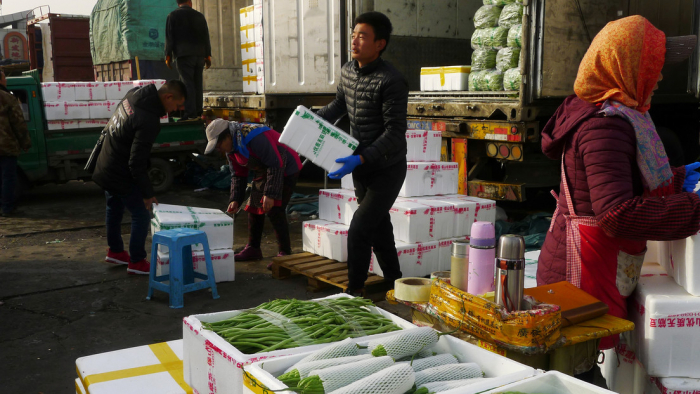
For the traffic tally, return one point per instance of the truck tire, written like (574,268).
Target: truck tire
(161,175)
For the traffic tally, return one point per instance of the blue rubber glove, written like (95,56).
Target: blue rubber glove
(349,164)
(691,177)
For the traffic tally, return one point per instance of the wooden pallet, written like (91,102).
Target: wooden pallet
(320,271)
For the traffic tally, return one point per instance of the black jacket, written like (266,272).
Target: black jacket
(126,151)
(375,98)
(187,34)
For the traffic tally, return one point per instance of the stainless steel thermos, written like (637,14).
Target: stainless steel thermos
(510,272)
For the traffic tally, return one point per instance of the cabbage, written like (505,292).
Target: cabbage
(487,16)
(476,81)
(512,79)
(483,59)
(507,58)
(494,37)
(493,80)
(515,35)
(512,15)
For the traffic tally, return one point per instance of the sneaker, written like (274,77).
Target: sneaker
(280,254)
(142,267)
(249,253)
(117,258)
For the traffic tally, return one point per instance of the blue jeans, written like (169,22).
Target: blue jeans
(140,219)
(8,182)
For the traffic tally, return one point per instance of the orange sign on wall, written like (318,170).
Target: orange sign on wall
(16,46)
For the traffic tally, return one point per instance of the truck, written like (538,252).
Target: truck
(494,135)
(59,156)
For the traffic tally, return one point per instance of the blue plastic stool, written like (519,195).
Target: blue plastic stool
(182,275)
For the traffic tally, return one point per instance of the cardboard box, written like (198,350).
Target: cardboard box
(58,91)
(415,260)
(499,369)
(222,261)
(552,382)
(66,110)
(91,123)
(316,139)
(117,90)
(212,365)
(90,91)
(216,225)
(63,124)
(667,325)
(444,79)
(152,369)
(102,109)
(423,145)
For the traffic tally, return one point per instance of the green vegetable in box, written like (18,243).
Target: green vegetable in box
(512,15)
(492,37)
(512,80)
(487,16)
(484,59)
(515,36)
(493,80)
(507,58)
(284,324)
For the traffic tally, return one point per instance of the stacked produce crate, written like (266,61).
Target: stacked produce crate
(252,48)
(496,43)
(427,217)
(660,356)
(73,105)
(216,225)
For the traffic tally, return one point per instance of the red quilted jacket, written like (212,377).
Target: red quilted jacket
(605,182)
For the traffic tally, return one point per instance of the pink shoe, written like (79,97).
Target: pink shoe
(249,253)
(117,258)
(280,254)
(142,267)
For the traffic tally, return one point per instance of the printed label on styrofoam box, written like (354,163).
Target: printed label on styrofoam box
(90,91)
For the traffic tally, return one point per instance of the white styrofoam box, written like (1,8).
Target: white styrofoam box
(673,386)
(653,252)
(66,110)
(444,79)
(90,123)
(258,32)
(259,52)
(58,91)
(260,65)
(448,178)
(145,82)
(159,363)
(485,209)
(315,138)
(416,175)
(249,70)
(552,382)
(499,369)
(337,205)
(423,145)
(445,254)
(464,212)
(90,91)
(216,225)
(351,205)
(102,109)
(257,11)
(212,365)
(79,388)
(411,222)
(63,124)
(311,237)
(682,262)
(248,51)
(442,217)
(531,263)
(334,242)
(165,119)
(247,17)
(623,372)
(222,261)
(116,90)
(415,260)
(347,183)
(667,325)
(250,84)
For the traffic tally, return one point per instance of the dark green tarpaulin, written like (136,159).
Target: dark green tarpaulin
(123,29)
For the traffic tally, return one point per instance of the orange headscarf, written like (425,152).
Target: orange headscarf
(622,64)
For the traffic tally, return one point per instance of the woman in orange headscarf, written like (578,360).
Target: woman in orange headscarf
(617,187)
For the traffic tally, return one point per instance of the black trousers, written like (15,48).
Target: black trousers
(278,217)
(371,228)
(191,69)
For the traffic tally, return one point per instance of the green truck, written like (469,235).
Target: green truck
(59,156)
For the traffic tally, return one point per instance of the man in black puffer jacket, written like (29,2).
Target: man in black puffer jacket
(375,96)
(122,167)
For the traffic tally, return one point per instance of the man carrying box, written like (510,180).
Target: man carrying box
(122,167)
(375,96)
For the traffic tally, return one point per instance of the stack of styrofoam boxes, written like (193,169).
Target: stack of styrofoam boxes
(72,105)
(444,79)
(216,225)
(250,81)
(259,49)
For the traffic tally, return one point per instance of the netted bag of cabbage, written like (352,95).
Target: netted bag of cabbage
(477,81)
(493,80)
(492,37)
(515,36)
(512,80)
(484,59)
(498,2)
(511,15)
(487,16)
(507,58)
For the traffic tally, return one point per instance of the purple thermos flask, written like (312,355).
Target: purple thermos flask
(482,257)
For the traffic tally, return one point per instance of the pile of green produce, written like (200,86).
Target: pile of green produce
(491,37)
(511,15)
(498,2)
(284,324)
(487,16)
(515,36)
(507,58)
(512,79)
(484,59)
